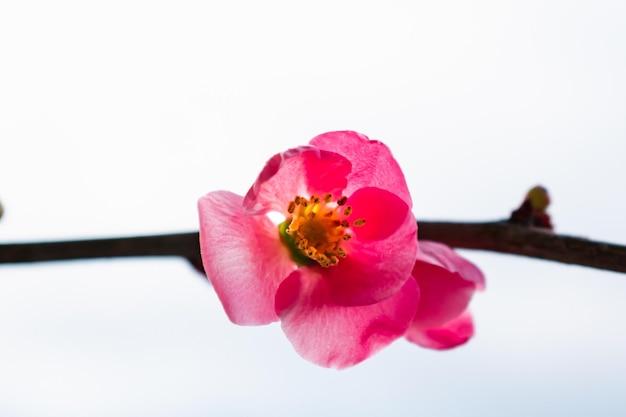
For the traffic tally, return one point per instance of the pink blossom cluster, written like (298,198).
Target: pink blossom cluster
(342,271)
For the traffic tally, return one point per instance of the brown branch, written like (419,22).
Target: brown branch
(181,245)
(492,236)
(526,241)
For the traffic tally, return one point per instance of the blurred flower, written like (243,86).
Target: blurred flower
(337,271)
(447,283)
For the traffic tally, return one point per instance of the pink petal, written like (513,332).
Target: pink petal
(451,334)
(444,256)
(381,253)
(299,171)
(372,162)
(383,211)
(447,282)
(243,257)
(336,336)
(444,294)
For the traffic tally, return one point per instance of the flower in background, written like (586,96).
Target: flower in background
(447,283)
(337,271)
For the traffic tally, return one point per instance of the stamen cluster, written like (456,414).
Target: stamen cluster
(319,225)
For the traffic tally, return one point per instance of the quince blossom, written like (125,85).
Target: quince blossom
(340,272)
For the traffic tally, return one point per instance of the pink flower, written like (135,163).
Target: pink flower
(337,271)
(342,272)
(447,282)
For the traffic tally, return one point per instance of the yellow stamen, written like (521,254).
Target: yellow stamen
(316,227)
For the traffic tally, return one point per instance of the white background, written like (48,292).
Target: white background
(116,116)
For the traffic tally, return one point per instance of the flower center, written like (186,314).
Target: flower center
(316,228)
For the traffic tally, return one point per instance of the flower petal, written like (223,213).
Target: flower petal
(444,256)
(372,162)
(451,334)
(243,258)
(447,283)
(382,211)
(337,336)
(381,253)
(444,294)
(297,171)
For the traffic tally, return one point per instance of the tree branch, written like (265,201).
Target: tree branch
(491,236)
(533,242)
(184,245)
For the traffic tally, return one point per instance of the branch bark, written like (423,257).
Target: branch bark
(500,237)
(533,242)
